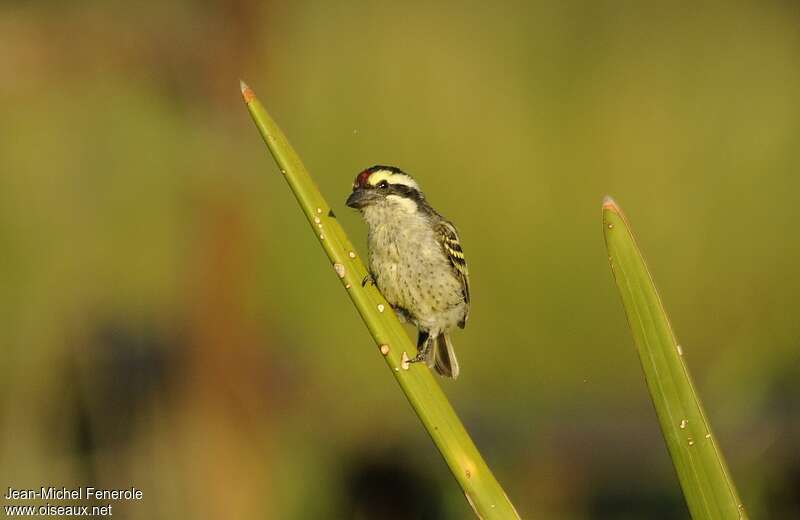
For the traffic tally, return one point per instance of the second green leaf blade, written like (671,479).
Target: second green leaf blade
(702,472)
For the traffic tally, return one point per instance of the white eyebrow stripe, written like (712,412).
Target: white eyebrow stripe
(392,178)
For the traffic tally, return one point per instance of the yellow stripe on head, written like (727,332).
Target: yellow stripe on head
(392,177)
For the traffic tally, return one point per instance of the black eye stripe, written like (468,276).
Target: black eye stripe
(407,192)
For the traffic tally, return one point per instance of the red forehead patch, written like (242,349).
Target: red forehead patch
(361,180)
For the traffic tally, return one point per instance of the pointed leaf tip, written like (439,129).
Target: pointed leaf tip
(247,92)
(610,204)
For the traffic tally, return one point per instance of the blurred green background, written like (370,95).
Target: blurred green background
(169,323)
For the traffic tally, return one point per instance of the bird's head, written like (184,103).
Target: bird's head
(385,186)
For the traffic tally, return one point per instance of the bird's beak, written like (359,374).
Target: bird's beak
(360,198)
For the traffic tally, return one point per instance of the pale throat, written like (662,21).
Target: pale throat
(395,212)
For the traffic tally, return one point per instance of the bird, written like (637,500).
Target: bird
(416,261)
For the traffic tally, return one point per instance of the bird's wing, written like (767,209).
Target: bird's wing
(448,237)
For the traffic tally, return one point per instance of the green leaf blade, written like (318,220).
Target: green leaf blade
(479,484)
(703,474)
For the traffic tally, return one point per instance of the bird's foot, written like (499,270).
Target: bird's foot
(368,279)
(419,357)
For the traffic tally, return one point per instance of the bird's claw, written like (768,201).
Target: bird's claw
(367,279)
(416,359)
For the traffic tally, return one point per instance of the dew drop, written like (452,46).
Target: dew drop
(339,268)
(381,307)
(683,424)
(384,349)
(351,254)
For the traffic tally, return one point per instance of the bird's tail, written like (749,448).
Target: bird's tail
(443,357)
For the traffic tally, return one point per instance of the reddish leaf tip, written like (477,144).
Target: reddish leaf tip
(247,92)
(610,204)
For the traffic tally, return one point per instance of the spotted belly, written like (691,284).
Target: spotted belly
(416,278)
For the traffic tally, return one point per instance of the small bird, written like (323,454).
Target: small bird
(415,259)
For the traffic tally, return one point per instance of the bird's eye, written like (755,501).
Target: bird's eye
(383,185)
